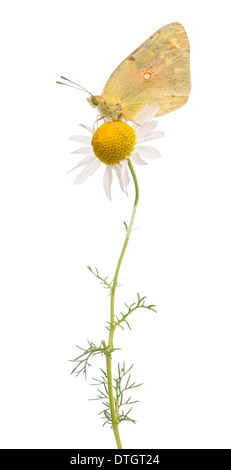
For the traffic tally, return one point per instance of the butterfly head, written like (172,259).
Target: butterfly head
(95,101)
(110,110)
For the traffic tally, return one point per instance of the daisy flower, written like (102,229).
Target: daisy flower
(113,143)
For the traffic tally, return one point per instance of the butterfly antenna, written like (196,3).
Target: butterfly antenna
(77,87)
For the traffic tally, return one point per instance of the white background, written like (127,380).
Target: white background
(179,256)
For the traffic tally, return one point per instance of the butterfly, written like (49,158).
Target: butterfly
(158,71)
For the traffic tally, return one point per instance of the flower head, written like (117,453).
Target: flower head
(113,143)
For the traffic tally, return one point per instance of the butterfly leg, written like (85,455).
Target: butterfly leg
(120,108)
(129,119)
(98,118)
(113,122)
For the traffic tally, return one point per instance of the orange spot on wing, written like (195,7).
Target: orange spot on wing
(146,75)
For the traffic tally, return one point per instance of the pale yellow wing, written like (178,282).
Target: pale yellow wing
(158,71)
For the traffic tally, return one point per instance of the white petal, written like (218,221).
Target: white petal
(83,139)
(90,129)
(125,175)
(151,136)
(147,113)
(84,161)
(145,128)
(88,171)
(135,157)
(118,170)
(148,152)
(83,150)
(107,181)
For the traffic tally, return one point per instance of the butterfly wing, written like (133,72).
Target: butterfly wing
(158,71)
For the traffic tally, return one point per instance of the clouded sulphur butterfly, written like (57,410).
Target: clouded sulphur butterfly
(157,71)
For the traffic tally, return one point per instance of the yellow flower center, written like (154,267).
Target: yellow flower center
(113,142)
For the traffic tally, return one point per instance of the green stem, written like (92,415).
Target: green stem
(113,407)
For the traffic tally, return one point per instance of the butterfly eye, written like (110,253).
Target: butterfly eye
(95,100)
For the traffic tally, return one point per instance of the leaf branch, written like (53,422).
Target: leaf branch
(130,309)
